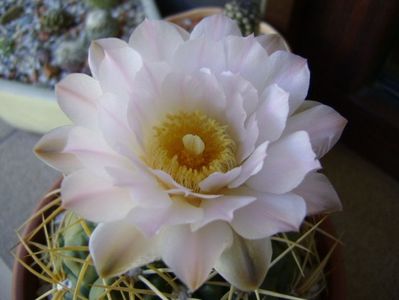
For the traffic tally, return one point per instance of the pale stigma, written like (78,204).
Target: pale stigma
(193,144)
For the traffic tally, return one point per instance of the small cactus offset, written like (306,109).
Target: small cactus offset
(64,260)
(14,12)
(247,13)
(100,24)
(71,54)
(56,20)
(6,46)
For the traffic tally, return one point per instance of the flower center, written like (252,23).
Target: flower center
(190,146)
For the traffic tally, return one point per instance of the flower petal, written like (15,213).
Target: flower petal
(234,84)
(272,113)
(112,114)
(319,194)
(248,144)
(151,220)
(272,42)
(148,81)
(286,165)
(77,96)
(199,53)
(251,166)
(144,189)
(118,246)
(92,150)
(291,73)
(242,99)
(215,27)
(192,255)
(323,124)
(94,197)
(248,58)
(246,262)
(199,91)
(269,214)
(114,64)
(218,180)
(150,195)
(157,40)
(174,188)
(50,148)
(221,208)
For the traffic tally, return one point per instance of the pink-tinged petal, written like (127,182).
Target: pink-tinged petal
(144,189)
(77,96)
(128,177)
(143,110)
(248,144)
(92,150)
(151,220)
(272,113)
(242,99)
(192,255)
(114,64)
(50,149)
(323,124)
(157,40)
(118,247)
(272,42)
(199,91)
(95,197)
(221,208)
(97,52)
(142,176)
(236,84)
(148,81)
(199,53)
(251,166)
(307,104)
(319,194)
(215,27)
(174,188)
(291,73)
(218,180)
(245,263)
(286,165)
(179,92)
(248,58)
(112,113)
(150,195)
(269,214)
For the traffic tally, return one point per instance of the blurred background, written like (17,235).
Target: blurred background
(352,49)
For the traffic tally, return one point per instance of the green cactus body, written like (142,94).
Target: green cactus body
(246,13)
(72,236)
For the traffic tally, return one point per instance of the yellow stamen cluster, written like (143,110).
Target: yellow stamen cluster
(190,146)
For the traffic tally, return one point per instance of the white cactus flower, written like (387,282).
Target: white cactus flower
(192,148)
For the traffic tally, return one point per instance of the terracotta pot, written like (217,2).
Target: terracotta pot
(24,283)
